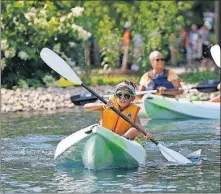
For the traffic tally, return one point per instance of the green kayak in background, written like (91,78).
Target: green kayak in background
(161,107)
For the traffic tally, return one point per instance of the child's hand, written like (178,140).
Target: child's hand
(148,136)
(109,104)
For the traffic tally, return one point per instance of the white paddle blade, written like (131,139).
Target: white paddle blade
(72,139)
(59,65)
(173,156)
(215,52)
(197,154)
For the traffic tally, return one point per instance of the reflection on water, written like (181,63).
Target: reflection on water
(29,141)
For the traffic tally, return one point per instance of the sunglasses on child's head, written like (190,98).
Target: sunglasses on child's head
(122,95)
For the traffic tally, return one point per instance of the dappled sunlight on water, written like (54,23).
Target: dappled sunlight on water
(28,144)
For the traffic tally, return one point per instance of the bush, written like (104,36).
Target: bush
(62,82)
(27,27)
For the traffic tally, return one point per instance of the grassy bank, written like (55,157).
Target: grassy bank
(113,79)
(199,76)
(101,80)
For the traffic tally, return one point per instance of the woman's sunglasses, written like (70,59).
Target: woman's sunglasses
(159,60)
(121,95)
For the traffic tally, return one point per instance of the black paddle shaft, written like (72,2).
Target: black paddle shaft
(118,112)
(204,86)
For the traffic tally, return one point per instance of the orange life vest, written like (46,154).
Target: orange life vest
(112,121)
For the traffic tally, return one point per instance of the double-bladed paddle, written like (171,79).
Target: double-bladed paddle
(60,66)
(204,86)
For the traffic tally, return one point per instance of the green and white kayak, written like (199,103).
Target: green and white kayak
(160,107)
(101,149)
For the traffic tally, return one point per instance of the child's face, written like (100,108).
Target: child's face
(124,98)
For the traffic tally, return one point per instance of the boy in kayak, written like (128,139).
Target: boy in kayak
(122,100)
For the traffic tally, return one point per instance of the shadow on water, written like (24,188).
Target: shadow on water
(149,178)
(73,177)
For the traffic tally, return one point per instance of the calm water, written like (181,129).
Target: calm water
(28,143)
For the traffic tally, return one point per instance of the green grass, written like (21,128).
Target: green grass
(108,80)
(100,80)
(199,76)
(113,80)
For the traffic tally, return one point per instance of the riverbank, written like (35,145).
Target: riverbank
(54,99)
(43,99)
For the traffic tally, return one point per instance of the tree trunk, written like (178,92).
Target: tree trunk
(217,21)
(217,29)
(96,56)
(125,59)
(87,55)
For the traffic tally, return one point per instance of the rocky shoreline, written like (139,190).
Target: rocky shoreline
(43,99)
(48,99)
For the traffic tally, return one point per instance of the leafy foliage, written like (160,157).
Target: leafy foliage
(154,20)
(64,26)
(27,27)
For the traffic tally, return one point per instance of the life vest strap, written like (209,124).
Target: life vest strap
(151,75)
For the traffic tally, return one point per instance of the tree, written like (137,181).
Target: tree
(64,26)
(27,27)
(217,20)
(154,20)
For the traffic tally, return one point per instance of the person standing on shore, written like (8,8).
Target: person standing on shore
(125,46)
(194,49)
